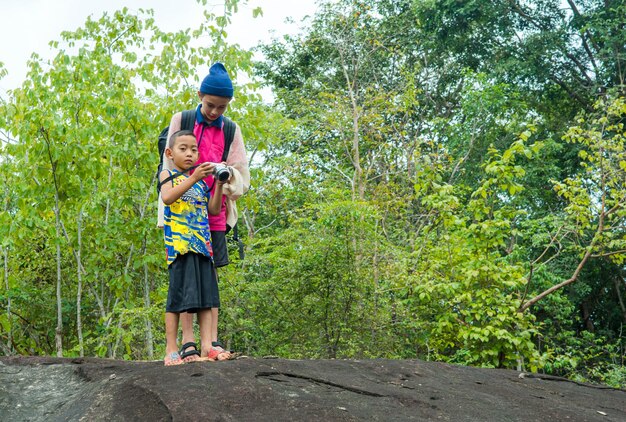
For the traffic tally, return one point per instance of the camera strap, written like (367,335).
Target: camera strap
(174,176)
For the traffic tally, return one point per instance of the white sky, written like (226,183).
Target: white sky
(26,26)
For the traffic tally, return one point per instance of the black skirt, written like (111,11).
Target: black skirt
(220,248)
(193,284)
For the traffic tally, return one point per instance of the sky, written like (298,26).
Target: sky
(27,26)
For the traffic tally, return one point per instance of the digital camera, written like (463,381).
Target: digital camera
(221,172)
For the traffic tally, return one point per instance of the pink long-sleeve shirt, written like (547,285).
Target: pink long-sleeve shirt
(210,148)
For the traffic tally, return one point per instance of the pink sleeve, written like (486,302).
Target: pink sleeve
(237,158)
(175,124)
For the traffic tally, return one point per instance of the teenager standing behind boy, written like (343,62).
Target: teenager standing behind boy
(193,280)
(215,93)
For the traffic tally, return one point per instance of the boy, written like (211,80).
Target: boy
(193,280)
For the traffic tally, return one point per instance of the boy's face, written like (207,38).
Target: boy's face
(213,106)
(184,153)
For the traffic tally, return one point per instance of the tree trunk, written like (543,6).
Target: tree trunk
(5,254)
(376,275)
(146,304)
(142,213)
(146,301)
(618,281)
(57,214)
(357,183)
(79,289)
(584,309)
(59,329)
(578,269)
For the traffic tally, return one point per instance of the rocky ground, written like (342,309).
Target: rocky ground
(246,389)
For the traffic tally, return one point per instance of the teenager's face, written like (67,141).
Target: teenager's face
(213,106)
(185,152)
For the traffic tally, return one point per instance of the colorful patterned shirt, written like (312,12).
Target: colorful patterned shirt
(186,227)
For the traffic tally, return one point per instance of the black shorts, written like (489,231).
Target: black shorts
(193,284)
(220,248)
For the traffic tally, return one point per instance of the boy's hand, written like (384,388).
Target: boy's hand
(203,170)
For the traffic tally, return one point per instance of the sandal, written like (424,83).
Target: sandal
(173,359)
(217,354)
(218,345)
(220,348)
(189,355)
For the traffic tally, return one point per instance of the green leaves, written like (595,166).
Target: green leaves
(85,126)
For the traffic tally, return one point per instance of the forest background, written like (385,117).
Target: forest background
(435,179)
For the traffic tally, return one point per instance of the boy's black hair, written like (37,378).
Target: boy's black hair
(178,134)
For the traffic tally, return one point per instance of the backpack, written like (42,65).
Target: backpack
(188,121)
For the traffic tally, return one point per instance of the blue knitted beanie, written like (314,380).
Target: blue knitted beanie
(217,82)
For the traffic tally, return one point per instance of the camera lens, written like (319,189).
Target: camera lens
(222,174)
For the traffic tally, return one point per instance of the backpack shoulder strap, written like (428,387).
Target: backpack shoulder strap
(188,120)
(167,179)
(162,143)
(229,135)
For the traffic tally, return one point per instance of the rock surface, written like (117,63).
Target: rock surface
(91,389)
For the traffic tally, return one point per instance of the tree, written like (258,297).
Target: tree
(81,157)
(597,197)
(443,99)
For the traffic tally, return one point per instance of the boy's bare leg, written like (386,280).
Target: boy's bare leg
(214,315)
(186,323)
(171,332)
(205,322)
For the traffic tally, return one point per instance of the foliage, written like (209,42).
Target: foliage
(80,162)
(426,110)
(464,269)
